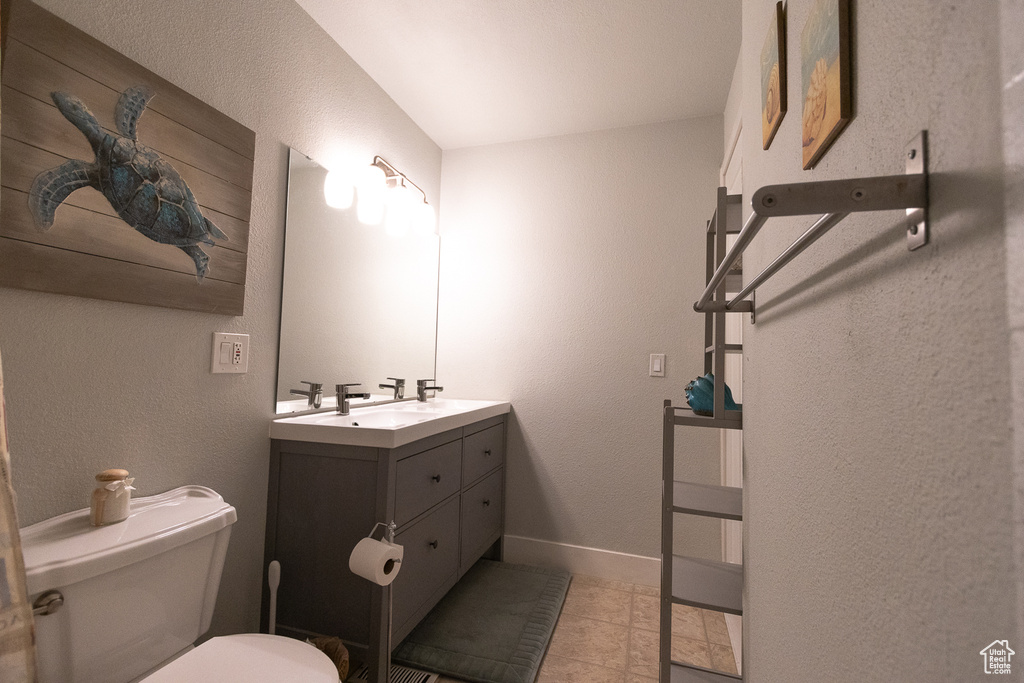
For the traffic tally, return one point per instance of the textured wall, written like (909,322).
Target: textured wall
(93,384)
(565,261)
(1012,19)
(877,420)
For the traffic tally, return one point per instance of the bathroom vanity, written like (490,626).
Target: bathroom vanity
(435,469)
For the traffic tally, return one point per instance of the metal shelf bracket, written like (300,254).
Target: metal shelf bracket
(834,200)
(917,165)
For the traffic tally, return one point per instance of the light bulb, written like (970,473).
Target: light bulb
(371,188)
(424,220)
(338,190)
(401,203)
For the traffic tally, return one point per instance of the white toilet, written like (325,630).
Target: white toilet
(139,593)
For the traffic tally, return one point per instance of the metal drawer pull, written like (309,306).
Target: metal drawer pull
(487,502)
(433,544)
(47,603)
(437,478)
(487,451)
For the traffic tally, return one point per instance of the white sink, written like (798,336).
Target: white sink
(386,426)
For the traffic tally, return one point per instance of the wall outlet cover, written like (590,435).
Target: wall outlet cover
(230,353)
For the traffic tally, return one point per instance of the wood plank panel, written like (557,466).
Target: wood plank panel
(48,269)
(56,38)
(90,251)
(34,74)
(42,125)
(21,164)
(108,236)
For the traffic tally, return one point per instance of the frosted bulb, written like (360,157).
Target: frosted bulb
(401,203)
(338,190)
(371,188)
(424,219)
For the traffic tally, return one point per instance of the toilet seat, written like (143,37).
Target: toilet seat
(249,658)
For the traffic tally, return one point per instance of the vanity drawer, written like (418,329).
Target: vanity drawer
(485,450)
(425,479)
(481,517)
(431,558)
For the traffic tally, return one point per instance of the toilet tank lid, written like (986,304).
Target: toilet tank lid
(67,549)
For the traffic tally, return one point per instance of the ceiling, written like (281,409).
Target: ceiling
(477,72)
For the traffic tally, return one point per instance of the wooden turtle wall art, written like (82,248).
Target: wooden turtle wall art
(144,189)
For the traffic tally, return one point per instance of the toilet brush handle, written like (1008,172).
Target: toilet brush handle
(274,580)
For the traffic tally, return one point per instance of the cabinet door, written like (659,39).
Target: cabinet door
(484,451)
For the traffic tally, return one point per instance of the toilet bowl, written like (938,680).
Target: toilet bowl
(139,593)
(246,658)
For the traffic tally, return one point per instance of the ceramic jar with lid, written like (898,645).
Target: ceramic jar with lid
(111,498)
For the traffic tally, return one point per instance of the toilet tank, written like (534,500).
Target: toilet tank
(136,593)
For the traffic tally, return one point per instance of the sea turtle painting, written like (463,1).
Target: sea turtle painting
(144,189)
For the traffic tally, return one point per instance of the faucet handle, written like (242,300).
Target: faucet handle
(314,386)
(337,387)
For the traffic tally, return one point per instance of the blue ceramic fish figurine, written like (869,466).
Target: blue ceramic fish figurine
(700,395)
(144,189)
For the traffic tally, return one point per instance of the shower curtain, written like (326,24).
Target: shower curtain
(17,639)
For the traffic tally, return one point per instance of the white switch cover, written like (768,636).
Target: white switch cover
(657,365)
(230,353)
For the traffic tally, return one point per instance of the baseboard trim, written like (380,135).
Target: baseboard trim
(603,564)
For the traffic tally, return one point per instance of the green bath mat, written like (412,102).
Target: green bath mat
(493,626)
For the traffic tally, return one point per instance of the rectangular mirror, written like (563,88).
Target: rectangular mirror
(357,304)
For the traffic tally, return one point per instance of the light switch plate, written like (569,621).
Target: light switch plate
(230,353)
(657,366)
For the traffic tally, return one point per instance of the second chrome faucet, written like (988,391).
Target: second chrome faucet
(398,387)
(422,388)
(344,395)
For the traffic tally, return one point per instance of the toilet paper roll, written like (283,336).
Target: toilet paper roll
(376,561)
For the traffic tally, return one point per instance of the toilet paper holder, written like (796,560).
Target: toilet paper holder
(389,532)
(391,527)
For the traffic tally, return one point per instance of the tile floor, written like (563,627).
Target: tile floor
(608,633)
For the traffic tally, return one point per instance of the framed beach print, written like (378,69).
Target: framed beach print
(825,77)
(773,77)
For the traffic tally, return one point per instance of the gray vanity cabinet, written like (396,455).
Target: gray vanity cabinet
(445,493)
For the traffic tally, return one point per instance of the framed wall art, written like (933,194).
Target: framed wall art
(116,184)
(825,77)
(773,77)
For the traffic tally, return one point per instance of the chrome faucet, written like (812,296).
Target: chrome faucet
(344,396)
(422,389)
(314,396)
(398,386)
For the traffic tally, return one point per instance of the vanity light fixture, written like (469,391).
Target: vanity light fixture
(406,203)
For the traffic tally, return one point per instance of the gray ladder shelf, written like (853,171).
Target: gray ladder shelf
(685,580)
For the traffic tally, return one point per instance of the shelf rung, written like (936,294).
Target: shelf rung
(728,348)
(707,584)
(686,673)
(734,419)
(723,502)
